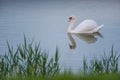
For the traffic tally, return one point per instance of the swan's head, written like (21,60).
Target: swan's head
(71,19)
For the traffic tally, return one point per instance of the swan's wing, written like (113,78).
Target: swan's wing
(86,26)
(98,28)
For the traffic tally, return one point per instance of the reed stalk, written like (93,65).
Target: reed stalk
(28,60)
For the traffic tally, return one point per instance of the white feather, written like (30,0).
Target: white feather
(86,26)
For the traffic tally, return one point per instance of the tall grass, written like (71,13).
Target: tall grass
(28,60)
(107,64)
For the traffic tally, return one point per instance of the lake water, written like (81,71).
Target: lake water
(46,22)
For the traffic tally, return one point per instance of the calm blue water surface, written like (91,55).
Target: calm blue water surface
(46,22)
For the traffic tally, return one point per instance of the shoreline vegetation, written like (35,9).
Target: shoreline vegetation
(29,62)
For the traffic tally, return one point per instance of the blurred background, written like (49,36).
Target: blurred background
(46,22)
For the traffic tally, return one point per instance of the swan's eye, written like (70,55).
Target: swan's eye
(70,18)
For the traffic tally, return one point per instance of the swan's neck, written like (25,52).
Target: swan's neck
(71,26)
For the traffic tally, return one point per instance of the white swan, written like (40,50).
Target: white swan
(86,26)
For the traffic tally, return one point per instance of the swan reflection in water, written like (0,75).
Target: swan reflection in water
(88,38)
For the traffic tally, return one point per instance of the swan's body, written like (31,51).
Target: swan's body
(86,26)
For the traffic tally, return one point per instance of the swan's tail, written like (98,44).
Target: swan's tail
(98,28)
